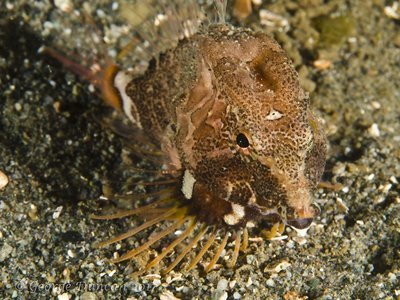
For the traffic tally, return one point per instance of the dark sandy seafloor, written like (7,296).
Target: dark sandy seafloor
(60,160)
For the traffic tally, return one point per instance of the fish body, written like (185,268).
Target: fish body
(229,114)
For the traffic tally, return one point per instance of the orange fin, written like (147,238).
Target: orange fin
(103,80)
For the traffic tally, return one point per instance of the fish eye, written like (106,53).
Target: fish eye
(242,141)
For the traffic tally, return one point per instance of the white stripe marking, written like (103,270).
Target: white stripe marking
(187,184)
(121,80)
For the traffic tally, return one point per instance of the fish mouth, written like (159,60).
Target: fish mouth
(297,223)
(300,223)
(303,223)
(294,220)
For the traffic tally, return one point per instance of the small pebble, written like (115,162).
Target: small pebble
(156,282)
(167,295)
(9,5)
(64,5)
(386,188)
(341,205)
(64,296)
(222,284)
(370,177)
(3,180)
(57,106)
(249,282)
(114,5)
(376,105)
(270,19)
(393,180)
(100,13)
(57,212)
(270,283)
(232,284)
(220,295)
(374,130)
(89,296)
(18,106)
(250,259)
(339,169)
(71,253)
(33,212)
(66,273)
(280,266)
(152,276)
(322,64)
(300,240)
(392,11)
(5,251)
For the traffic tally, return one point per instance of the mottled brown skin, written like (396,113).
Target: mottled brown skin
(222,82)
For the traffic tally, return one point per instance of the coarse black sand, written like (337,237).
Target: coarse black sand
(60,159)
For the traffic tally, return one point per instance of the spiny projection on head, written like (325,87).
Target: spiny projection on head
(229,125)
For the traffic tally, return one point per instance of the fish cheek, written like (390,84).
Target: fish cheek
(208,207)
